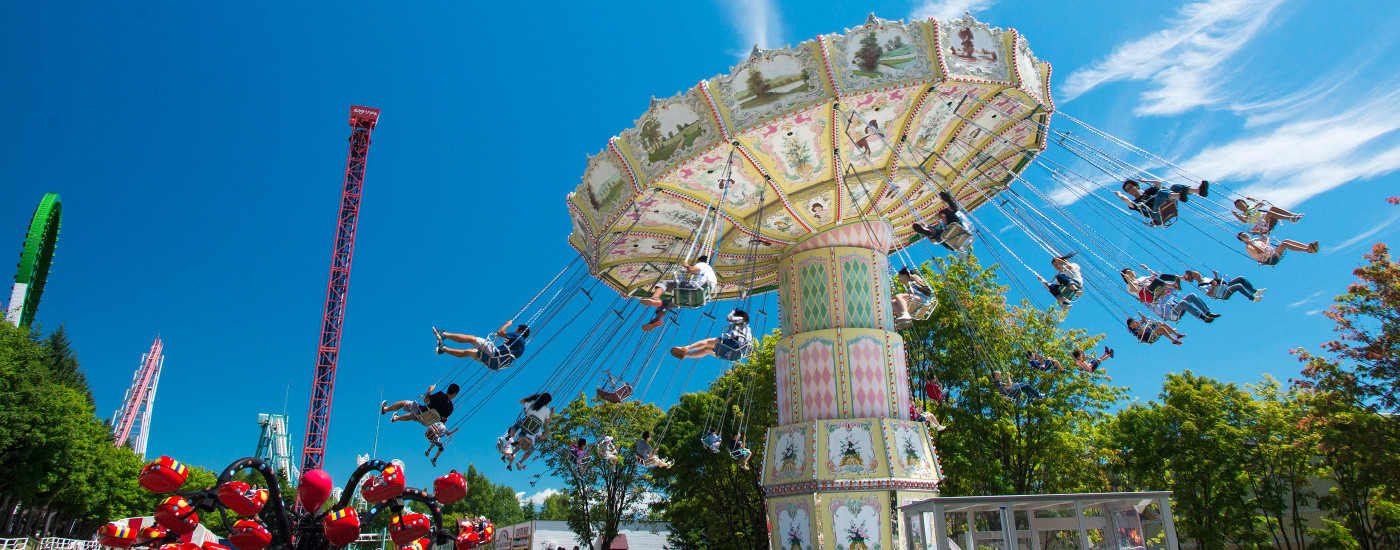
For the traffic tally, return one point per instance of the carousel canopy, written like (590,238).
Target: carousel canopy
(871,123)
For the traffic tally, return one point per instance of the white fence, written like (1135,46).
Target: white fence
(55,543)
(14,544)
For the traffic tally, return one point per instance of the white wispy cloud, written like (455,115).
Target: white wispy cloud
(756,20)
(1310,298)
(537,498)
(948,9)
(1294,161)
(1313,312)
(1364,235)
(1184,61)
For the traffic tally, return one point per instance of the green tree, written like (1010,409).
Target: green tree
(556,507)
(995,445)
(1281,468)
(1357,377)
(602,494)
(485,498)
(711,501)
(1196,443)
(758,85)
(868,56)
(650,132)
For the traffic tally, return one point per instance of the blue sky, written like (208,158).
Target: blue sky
(199,150)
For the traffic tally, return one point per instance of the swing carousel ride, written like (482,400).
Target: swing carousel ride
(801,171)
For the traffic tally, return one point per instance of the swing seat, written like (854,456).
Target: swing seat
(712,446)
(1071,293)
(531,425)
(925,309)
(241,498)
(726,352)
(176,515)
(617,395)
(383,487)
(450,488)
(956,237)
(408,527)
(429,417)
(692,297)
(116,535)
(163,475)
(247,534)
(1164,216)
(342,526)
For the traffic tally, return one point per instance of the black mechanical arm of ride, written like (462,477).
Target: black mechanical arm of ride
(396,505)
(274,493)
(348,494)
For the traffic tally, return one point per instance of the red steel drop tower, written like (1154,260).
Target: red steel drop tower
(318,418)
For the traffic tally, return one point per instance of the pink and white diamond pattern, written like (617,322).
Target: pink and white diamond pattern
(867,378)
(785,388)
(817,363)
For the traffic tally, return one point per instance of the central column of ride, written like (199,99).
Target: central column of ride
(845,455)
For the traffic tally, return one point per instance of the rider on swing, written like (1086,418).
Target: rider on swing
(920,294)
(441,402)
(1068,283)
(698,276)
(493,356)
(949,218)
(733,345)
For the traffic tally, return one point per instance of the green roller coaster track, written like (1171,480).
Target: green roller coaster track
(34,261)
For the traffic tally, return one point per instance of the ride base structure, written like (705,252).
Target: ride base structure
(844,456)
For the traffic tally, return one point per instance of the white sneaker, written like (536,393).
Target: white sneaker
(438,334)
(905,317)
(1259,294)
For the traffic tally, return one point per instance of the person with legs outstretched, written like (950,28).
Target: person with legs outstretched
(1266,252)
(1221,288)
(1089,363)
(495,357)
(733,345)
(1261,216)
(1151,202)
(441,402)
(1148,331)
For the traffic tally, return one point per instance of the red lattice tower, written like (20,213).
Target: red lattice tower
(140,399)
(318,418)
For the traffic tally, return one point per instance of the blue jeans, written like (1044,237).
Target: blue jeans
(1163,195)
(1192,304)
(1029,391)
(1238,284)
